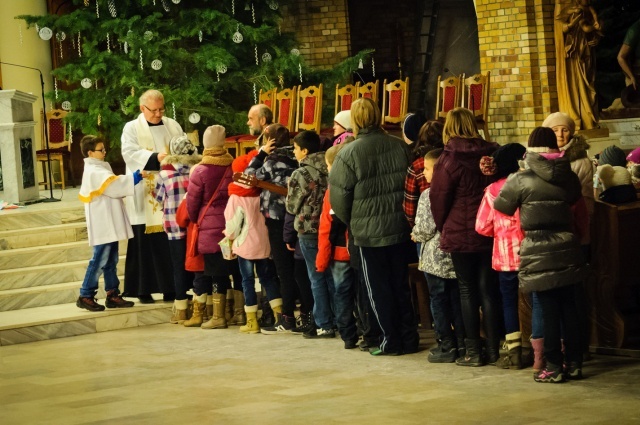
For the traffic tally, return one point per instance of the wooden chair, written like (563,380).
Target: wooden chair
(449,95)
(395,101)
(268,98)
(59,148)
(476,98)
(286,106)
(369,90)
(345,96)
(309,108)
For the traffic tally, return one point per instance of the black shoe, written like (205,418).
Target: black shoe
(146,299)
(573,371)
(89,303)
(114,300)
(446,352)
(350,345)
(364,346)
(323,333)
(284,325)
(311,333)
(376,351)
(306,324)
(169,297)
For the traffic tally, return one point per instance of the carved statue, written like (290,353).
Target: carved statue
(576,33)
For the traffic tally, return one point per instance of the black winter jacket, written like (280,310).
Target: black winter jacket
(550,252)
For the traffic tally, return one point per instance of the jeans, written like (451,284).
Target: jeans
(478,288)
(182,279)
(560,314)
(283,259)
(537,322)
(267,275)
(445,307)
(104,260)
(509,289)
(343,299)
(321,285)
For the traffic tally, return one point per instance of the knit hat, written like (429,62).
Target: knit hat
(181,145)
(344,119)
(238,166)
(411,126)
(613,156)
(542,140)
(560,118)
(634,156)
(214,137)
(617,182)
(506,158)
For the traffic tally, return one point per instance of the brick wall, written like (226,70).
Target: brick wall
(517,46)
(322,28)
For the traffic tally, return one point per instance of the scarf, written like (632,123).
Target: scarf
(216,156)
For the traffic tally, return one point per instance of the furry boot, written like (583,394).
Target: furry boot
(218,320)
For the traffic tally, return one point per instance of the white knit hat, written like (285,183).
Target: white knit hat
(344,119)
(181,145)
(214,137)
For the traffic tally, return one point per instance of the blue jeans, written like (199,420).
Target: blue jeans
(321,285)
(267,275)
(344,299)
(104,260)
(445,307)
(537,322)
(509,289)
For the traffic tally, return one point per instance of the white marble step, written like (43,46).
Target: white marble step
(58,321)
(39,236)
(49,254)
(49,274)
(41,216)
(39,296)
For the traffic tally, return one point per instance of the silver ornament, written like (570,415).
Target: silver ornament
(165,6)
(200,36)
(266,57)
(237,37)
(194,118)
(148,35)
(66,105)
(175,1)
(295,52)
(86,83)
(45,33)
(221,69)
(61,36)
(156,64)
(273,5)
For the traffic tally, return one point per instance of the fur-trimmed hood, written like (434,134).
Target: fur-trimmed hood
(189,160)
(576,148)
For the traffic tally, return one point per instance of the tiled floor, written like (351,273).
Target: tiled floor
(168,374)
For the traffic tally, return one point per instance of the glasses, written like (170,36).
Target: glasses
(154,111)
(103,150)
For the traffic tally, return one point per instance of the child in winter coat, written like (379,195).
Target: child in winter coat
(171,185)
(334,256)
(441,277)
(507,236)
(107,223)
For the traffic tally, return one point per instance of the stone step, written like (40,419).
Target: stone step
(23,218)
(63,320)
(40,296)
(49,254)
(41,236)
(49,274)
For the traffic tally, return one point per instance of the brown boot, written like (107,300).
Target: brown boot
(239,316)
(229,305)
(513,359)
(208,312)
(252,326)
(198,310)
(179,311)
(218,320)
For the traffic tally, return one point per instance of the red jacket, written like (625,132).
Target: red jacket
(326,251)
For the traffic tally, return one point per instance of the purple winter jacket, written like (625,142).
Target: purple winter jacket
(457,188)
(203,182)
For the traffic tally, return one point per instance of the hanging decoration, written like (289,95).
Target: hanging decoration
(86,2)
(37,29)
(141,63)
(253,13)
(218,76)
(45,33)
(281,81)
(200,36)
(273,4)
(194,118)
(133,92)
(122,107)
(156,64)
(96,81)
(360,65)
(373,66)
(266,57)
(255,50)
(20,33)
(79,46)
(255,93)
(154,2)
(300,68)
(86,83)
(175,1)
(99,119)
(233,7)
(295,52)
(237,37)
(221,68)
(61,36)
(148,35)
(55,87)
(173,106)
(165,6)
(108,43)
(70,134)
(97,9)
(112,9)
(66,105)
(126,47)
(73,43)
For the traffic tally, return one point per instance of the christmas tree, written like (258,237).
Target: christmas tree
(209,59)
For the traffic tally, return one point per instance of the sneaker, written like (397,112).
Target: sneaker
(310,333)
(306,324)
(350,345)
(573,371)
(376,351)
(89,303)
(320,333)
(549,375)
(284,325)
(116,301)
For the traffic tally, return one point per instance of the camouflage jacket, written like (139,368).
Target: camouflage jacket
(307,186)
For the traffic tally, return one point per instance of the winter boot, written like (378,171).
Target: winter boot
(179,311)
(208,311)
(492,351)
(445,352)
(538,354)
(199,303)
(267,318)
(513,359)
(228,310)
(252,326)
(284,324)
(239,317)
(114,300)
(472,356)
(462,351)
(218,320)
(306,323)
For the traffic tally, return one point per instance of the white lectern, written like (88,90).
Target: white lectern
(17,151)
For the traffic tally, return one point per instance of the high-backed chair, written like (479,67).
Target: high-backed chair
(449,95)
(268,98)
(369,90)
(395,101)
(309,108)
(286,106)
(476,99)
(59,148)
(345,96)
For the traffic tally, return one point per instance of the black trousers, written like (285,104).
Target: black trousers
(386,275)
(182,279)
(304,286)
(283,259)
(148,268)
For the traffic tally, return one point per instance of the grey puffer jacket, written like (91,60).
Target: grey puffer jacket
(367,188)
(550,252)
